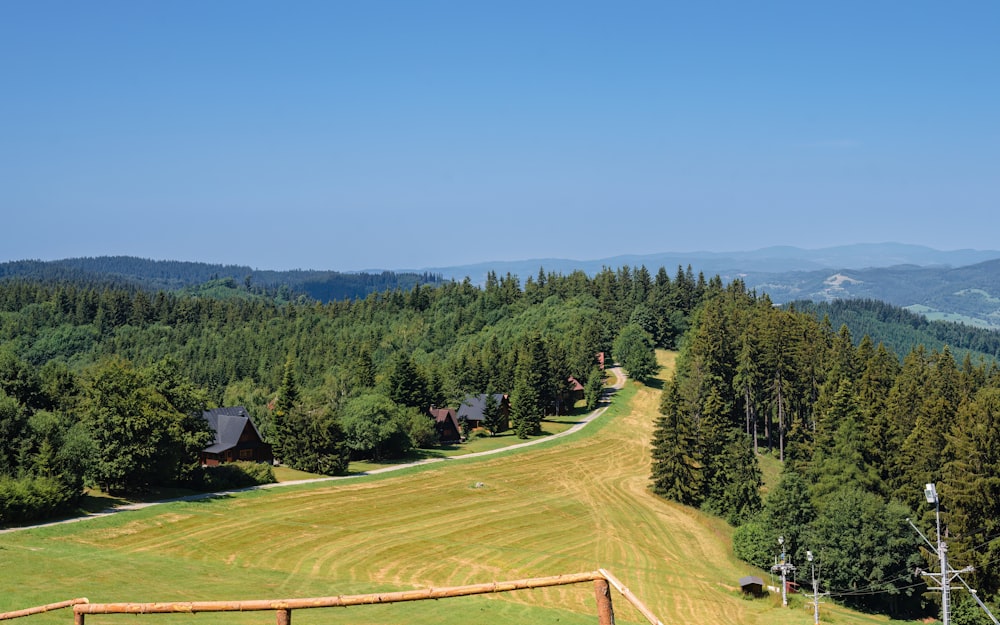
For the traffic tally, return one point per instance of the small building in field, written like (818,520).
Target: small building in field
(471,409)
(236,438)
(752,585)
(446,424)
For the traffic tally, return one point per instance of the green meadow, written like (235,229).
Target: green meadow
(564,506)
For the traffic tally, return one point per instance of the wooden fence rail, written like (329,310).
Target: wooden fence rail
(283,607)
(42,608)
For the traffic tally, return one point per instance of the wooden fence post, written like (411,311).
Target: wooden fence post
(78,618)
(284,616)
(605,611)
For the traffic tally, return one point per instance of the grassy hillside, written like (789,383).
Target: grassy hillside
(562,507)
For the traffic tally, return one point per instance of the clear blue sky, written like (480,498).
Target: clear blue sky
(371,134)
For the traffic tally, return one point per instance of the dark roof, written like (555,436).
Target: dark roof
(750,580)
(228,425)
(472,407)
(442,414)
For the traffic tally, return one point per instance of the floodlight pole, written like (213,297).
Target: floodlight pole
(812,565)
(930,493)
(783,567)
(946,574)
(943,557)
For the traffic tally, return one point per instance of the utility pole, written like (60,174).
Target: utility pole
(784,567)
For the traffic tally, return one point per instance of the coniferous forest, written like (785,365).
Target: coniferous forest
(860,432)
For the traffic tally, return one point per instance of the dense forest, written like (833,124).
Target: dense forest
(172,275)
(860,432)
(105,386)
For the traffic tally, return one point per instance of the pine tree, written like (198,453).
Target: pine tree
(525,414)
(903,406)
(747,383)
(284,403)
(738,479)
(840,461)
(594,388)
(492,415)
(924,452)
(971,490)
(677,473)
(405,385)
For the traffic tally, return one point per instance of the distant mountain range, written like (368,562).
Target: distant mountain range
(959,285)
(780,259)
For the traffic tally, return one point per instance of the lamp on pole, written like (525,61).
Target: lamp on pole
(784,567)
(930,493)
(946,574)
(809,556)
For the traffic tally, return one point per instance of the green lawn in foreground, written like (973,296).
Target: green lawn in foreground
(565,506)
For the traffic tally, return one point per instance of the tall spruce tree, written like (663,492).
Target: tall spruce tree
(525,412)
(971,488)
(677,472)
(284,403)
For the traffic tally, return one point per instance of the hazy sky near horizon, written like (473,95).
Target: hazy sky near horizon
(397,134)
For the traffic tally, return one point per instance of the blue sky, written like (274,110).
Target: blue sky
(375,134)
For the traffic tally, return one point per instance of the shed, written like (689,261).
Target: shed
(752,585)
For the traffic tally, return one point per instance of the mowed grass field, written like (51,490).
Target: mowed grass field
(565,506)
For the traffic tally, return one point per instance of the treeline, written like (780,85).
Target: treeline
(170,275)
(902,330)
(860,433)
(114,380)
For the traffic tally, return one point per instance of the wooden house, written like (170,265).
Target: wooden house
(571,393)
(471,409)
(236,438)
(446,424)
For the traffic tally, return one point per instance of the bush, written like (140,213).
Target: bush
(753,543)
(421,428)
(233,475)
(29,499)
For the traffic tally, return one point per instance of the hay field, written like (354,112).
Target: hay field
(568,506)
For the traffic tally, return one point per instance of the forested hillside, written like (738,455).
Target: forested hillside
(102,385)
(168,275)
(859,432)
(902,330)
